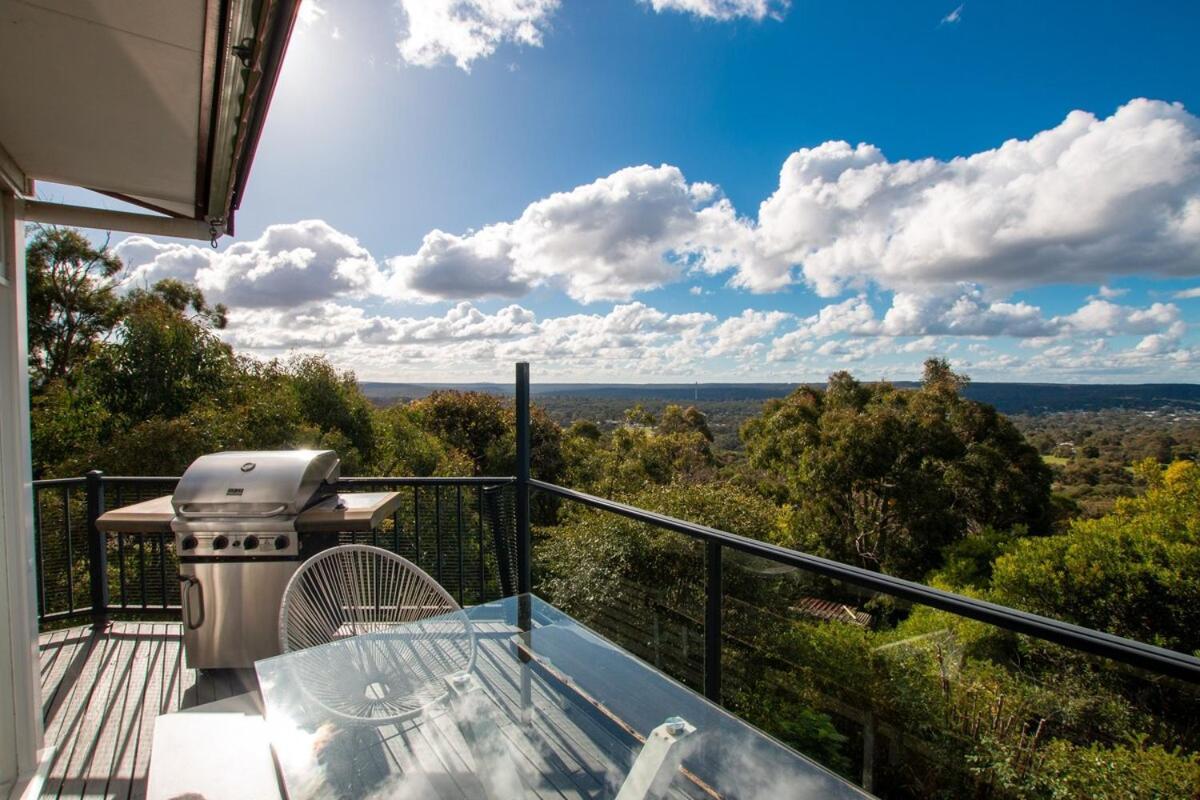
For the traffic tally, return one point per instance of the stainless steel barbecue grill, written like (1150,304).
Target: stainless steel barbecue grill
(242,523)
(235,534)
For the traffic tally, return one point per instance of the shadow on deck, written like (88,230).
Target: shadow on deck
(101,692)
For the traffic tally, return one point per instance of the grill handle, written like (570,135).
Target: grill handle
(183,512)
(188,582)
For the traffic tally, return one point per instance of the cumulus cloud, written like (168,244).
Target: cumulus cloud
(1085,200)
(1101,316)
(1188,294)
(462,322)
(724,10)
(967,314)
(323,326)
(466,30)
(631,231)
(148,261)
(288,265)
(735,334)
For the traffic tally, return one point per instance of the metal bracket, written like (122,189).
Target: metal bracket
(658,761)
(244,50)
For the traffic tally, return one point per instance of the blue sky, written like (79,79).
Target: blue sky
(722,190)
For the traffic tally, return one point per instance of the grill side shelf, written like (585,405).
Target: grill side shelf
(355,511)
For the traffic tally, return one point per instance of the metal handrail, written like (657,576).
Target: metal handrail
(473,480)
(142,561)
(1123,650)
(1126,651)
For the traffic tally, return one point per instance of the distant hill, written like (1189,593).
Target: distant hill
(1010,398)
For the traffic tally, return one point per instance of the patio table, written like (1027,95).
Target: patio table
(545,708)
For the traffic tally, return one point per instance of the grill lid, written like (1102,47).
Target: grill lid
(255,484)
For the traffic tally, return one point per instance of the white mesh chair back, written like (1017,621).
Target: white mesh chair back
(392,634)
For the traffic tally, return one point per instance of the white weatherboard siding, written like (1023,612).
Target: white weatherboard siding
(20,692)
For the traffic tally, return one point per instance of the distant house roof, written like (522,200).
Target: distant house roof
(157,103)
(831,611)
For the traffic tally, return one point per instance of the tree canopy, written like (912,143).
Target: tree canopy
(888,478)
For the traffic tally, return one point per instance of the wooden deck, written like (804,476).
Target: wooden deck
(101,691)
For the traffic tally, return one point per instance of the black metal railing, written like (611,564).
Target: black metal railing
(724,592)
(460,530)
(1126,651)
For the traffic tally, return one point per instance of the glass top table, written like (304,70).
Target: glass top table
(511,699)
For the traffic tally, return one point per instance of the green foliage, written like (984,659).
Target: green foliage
(596,560)
(1134,572)
(72,304)
(334,407)
(968,562)
(482,427)
(887,478)
(166,357)
(1122,772)
(67,424)
(679,420)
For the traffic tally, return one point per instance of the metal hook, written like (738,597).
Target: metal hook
(214,231)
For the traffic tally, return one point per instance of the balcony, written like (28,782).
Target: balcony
(776,636)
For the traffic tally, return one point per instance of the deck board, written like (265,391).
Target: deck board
(101,692)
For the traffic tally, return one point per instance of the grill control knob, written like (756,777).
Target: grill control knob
(188,543)
(220,542)
(250,542)
(282,542)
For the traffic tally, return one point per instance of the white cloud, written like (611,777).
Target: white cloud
(1101,316)
(316,325)
(637,229)
(461,322)
(1162,343)
(1110,293)
(447,266)
(466,30)
(148,261)
(724,10)
(288,265)
(953,16)
(1082,201)
(736,333)
(853,315)
(967,314)
(1188,294)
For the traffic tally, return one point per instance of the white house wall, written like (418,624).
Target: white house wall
(20,693)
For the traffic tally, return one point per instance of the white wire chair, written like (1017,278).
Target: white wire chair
(381,635)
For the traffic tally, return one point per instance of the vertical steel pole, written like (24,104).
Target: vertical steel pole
(97,548)
(524,543)
(712,622)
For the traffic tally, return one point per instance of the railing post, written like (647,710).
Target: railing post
(712,621)
(524,542)
(97,548)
